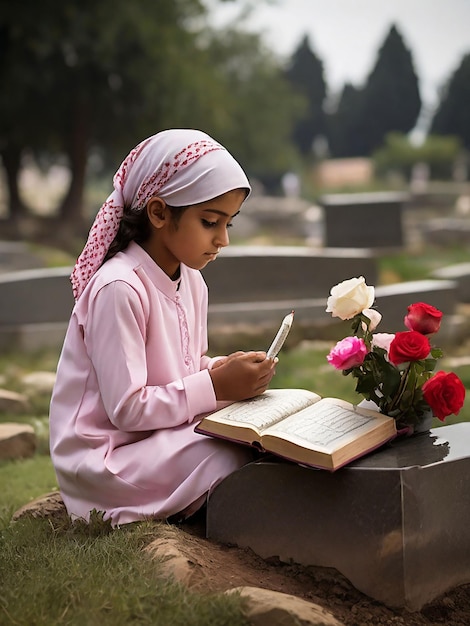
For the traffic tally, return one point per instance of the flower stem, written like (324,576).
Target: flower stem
(402,387)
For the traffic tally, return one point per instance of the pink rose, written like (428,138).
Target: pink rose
(423,318)
(347,353)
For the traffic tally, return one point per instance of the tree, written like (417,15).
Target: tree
(344,130)
(391,99)
(400,155)
(389,102)
(105,75)
(81,73)
(305,74)
(258,133)
(452,116)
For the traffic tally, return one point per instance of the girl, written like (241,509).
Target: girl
(133,376)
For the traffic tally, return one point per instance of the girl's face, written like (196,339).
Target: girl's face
(199,234)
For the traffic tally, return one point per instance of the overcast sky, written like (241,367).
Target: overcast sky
(346,34)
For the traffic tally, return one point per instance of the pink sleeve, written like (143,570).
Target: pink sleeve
(115,337)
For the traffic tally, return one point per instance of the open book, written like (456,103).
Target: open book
(301,426)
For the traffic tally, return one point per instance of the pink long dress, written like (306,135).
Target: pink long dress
(131,380)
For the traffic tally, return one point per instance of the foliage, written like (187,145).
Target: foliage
(344,129)
(452,115)
(400,155)
(102,76)
(389,101)
(391,95)
(74,83)
(252,81)
(305,74)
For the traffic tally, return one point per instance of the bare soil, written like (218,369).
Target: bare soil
(225,567)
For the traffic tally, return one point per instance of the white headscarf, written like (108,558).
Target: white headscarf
(182,166)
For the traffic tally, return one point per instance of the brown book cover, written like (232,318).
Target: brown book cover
(301,426)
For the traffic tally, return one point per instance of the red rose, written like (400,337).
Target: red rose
(408,346)
(423,318)
(445,394)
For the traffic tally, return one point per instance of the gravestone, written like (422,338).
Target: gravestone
(251,289)
(254,287)
(272,216)
(16,255)
(447,231)
(395,522)
(364,220)
(270,273)
(460,274)
(36,307)
(35,296)
(393,300)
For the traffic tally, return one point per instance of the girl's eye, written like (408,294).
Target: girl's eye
(208,224)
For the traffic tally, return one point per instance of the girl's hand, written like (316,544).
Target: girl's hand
(224,359)
(242,375)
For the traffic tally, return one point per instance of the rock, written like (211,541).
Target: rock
(17,441)
(174,562)
(263,607)
(12,402)
(48,505)
(39,382)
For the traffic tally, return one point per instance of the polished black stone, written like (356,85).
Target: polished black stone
(395,523)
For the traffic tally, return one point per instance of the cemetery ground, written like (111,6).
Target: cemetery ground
(54,573)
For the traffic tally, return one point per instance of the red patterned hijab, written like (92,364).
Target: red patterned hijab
(182,166)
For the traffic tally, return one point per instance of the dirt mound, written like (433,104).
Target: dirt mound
(224,567)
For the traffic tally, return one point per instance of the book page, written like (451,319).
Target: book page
(324,425)
(268,409)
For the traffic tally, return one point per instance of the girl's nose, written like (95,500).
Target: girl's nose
(222,238)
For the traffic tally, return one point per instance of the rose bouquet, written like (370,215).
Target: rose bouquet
(395,371)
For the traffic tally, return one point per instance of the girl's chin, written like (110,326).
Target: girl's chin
(198,265)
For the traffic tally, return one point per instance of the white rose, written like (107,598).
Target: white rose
(349,298)
(375,318)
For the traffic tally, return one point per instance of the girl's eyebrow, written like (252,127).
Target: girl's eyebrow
(222,213)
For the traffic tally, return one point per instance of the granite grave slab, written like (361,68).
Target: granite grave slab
(395,523)
(364,220)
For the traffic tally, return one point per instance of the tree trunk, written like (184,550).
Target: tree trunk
(76,146)
(11,157)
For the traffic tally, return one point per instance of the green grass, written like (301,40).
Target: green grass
(23,481)
(418,264)
(71,575)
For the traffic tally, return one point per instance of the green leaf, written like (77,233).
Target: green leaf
(429,364)
(391,383)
